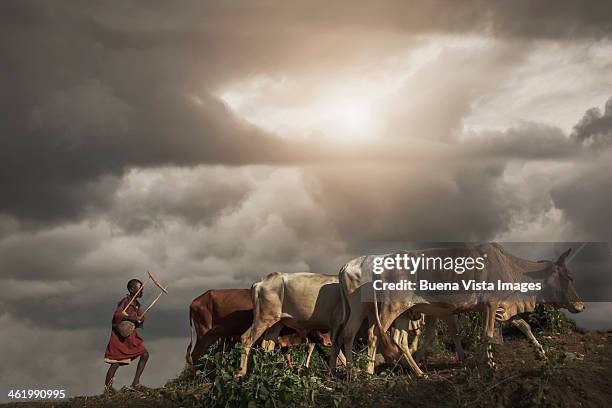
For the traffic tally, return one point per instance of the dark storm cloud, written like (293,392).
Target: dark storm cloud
(80,105)
(48,254)
(61,314)
(544,19)
(529,141)
(585,194)
(585,198)
(89,92)
(54,164)
(595,127)
(419,202)
(195,195)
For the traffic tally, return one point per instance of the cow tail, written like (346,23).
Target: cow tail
(385,341)
(188,356)
(344,307)
(375,301)
(255,300)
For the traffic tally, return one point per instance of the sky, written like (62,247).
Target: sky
(215,142)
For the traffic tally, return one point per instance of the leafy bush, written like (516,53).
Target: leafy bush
(471,326)
(470,330)
(270,383)
(547,318)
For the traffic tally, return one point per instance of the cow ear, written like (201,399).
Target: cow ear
(540,273)
(562,257)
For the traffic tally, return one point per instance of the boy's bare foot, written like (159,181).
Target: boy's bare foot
(137,387)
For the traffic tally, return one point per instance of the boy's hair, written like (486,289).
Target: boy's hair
(132,284)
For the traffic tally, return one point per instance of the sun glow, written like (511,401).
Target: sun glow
(353,116)
(349,119)
(339,112)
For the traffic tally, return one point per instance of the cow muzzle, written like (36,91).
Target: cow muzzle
(576,307)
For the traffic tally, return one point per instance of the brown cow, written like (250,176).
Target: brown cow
(226,314)
(218,314)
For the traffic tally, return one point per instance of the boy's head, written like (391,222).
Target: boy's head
(133,285)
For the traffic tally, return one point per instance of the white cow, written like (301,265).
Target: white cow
(302,301)
(500,264)
(354,312)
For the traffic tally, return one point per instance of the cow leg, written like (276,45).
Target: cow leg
(248,339)
(403,326)
(400,336)
(372,343)
(310,346)
(387,318)
(404,340)
(202,345)
(489,327)
(453,330)
(524,327)
(229,343)
(430,331)
(347,334)
(349,338)
(397,334)
(414,345)
(336,357)
(335,347)
(333,354)
(341,360)
(270,337)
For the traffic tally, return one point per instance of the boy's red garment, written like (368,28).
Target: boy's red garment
(123,349)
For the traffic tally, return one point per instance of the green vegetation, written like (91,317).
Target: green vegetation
(274,383)
(545,319)
(551,320)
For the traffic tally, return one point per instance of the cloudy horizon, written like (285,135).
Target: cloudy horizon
(213,143)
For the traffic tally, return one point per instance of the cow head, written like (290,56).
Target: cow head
(323,338)
(561,282)
(389,350)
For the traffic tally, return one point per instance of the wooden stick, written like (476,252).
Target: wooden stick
(156,282)
(134,297)
(156,299)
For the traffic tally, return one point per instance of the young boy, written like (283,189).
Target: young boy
(122,350)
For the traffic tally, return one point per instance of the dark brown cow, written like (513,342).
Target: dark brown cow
(218,314)
(226,314)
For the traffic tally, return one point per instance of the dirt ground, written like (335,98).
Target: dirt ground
(576,375)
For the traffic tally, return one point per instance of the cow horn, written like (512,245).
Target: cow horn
(563,256)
